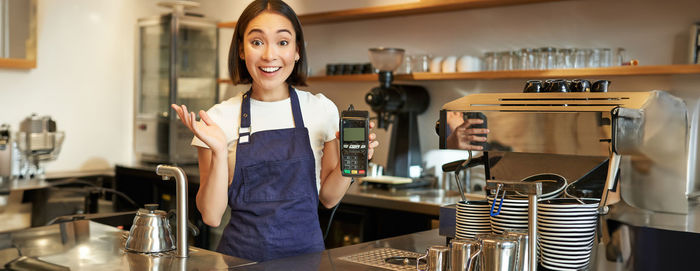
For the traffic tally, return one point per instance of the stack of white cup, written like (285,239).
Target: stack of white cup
(452,64)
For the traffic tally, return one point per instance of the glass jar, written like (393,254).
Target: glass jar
(506,61)
(405,67)
(581,58)
(606,57)
(547,58)
(565,58)
(490,61)
(527,59)
(420,63)
(619,57)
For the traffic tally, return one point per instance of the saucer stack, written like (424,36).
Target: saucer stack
(513,214)
(566,230)
(472,219)
(514,210)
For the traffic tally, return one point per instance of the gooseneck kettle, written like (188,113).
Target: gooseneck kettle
(150,231)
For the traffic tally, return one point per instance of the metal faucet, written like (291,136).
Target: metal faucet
(181,195)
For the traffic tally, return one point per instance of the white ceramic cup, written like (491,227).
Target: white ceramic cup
(436,64)
(468,64)
(449,64)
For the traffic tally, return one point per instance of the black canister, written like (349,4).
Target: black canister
(600,86)
(347,68)
(557,86)
(339,69)
(367,68)
(330,69)
(579,85)
(358,68)
(547,86)
(533,86)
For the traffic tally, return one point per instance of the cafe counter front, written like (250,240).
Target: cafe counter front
(88,245)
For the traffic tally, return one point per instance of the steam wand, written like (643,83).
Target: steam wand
(463,166)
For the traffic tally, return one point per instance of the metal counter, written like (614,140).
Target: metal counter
(87,245)
(14,184)
(329,259)
(415,200)
(416,243)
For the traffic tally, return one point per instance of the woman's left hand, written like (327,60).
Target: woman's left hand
(373,143)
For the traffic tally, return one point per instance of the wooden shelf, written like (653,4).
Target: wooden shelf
(346,78)
(555,73)
(370,77)
(420,7)
(532,74)
(16,63)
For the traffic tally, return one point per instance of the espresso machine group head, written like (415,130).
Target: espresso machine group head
(398,105)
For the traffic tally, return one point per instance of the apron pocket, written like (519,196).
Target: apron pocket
(279,180)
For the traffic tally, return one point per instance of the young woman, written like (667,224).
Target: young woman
(271,153)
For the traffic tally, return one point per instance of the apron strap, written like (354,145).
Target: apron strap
(296,109)
(244,130)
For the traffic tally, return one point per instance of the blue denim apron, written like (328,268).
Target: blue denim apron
(273,196)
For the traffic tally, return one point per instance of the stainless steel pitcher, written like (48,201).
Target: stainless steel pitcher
(498,253)
(437,259)
(464,254)
(523,260)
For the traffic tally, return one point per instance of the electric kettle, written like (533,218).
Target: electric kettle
(150,231)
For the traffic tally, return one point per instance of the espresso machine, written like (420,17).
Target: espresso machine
(38,142)
(633,152)
(8,153)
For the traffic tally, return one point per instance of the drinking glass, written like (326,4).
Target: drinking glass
(506,61)
(490,61)
(405,67)
(527,59)
(619,56)
(594,58)
(564,58)
(606,57)
(499,62)
(580,58)
(420,63)
(547,58)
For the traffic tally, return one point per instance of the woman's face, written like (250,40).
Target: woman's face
(269,50)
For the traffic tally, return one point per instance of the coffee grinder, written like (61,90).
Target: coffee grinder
(398,105)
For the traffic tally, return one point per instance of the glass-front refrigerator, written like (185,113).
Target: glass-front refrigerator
(177,64)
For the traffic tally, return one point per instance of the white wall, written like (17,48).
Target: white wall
(654,32)
(83,79)
(86,57)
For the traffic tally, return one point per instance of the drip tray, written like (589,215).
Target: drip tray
(378,258)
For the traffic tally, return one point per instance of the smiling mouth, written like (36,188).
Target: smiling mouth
(270,69)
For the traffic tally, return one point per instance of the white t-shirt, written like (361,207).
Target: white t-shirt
(319,113)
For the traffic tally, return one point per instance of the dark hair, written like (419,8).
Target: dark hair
(236,66)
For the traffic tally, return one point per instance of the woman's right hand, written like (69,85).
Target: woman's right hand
(206,130)
(462,135)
